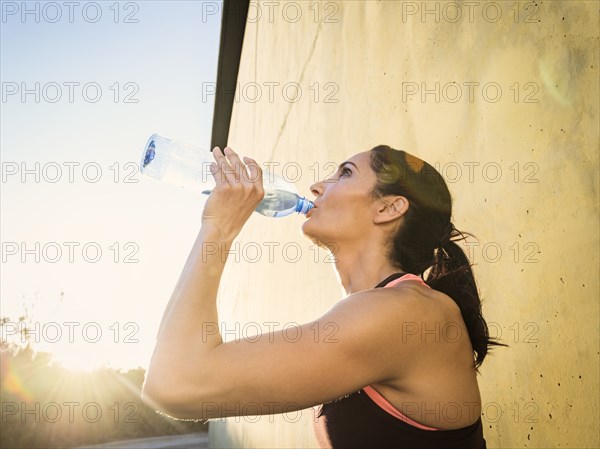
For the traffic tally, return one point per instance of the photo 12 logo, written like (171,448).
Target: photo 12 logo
(70,252)
(68,331)
(468,91)
(274,11)
(470,11)
(68,172)
(69,92)
(273,91)
(69,411)
(69,12)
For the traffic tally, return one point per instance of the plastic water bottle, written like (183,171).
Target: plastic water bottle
(187,166)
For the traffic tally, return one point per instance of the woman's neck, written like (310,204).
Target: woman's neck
(362,269)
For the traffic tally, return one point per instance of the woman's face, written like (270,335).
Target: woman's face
(344,209)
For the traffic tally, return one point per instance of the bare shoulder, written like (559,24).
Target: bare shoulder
(425,298)
(409,297)
(414,315)
(393,311)
(386,301)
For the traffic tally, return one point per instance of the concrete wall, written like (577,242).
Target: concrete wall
(522,165)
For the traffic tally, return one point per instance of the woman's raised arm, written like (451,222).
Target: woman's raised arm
(194,375)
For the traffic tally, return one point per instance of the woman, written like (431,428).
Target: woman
(402,369)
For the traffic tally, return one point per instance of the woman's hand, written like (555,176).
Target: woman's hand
(237,193)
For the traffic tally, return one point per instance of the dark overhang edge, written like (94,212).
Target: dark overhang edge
(233,27)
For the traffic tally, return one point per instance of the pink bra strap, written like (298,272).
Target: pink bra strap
(384,404)
(406,277)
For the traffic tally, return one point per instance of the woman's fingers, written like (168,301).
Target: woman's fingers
(231,170)
(238,169)
(217,168)
(255,172)
(226,173)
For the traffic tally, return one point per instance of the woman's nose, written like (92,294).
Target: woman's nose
(317,188)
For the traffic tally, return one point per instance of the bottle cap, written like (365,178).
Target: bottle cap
(304,205)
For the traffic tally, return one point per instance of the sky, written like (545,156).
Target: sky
(84,236)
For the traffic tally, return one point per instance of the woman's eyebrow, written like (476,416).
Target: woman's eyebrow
(347,162)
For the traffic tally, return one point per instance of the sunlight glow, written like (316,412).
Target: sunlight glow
(76,362)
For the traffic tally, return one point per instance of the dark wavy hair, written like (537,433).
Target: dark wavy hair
(427,238)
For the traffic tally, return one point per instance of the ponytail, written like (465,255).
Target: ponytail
(451,274)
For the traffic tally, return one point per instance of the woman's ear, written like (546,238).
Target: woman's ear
(390,209)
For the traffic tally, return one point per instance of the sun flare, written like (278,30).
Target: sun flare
(75,361)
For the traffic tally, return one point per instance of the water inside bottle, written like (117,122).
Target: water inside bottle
(276,203)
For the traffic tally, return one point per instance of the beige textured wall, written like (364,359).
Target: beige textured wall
(531,196)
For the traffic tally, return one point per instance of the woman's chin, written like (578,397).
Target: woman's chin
(306,228)
(312,234)
(309,231)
